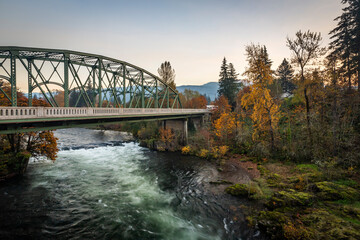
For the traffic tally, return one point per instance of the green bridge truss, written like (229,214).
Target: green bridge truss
(87,80)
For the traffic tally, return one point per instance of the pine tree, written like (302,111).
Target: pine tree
(285,75)
(341,44)
(223,76)
(228,86)
(346,41)
(354,12)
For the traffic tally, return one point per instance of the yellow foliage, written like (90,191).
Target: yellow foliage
(225,126)
(223,150)
(266,112)
(219,152)
(215,152)
(204,153)
(185,150)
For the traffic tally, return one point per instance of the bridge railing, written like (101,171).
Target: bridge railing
(8,113)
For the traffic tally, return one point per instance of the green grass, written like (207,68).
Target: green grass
(307,167)
(345,202)
(347,182)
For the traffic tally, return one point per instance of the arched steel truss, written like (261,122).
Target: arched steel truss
(98,81)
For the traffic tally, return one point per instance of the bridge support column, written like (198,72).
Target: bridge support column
(185,132)
(180,126)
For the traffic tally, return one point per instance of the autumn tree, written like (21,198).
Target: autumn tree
(192,99)
(305,48)
(59,98)
(221,106)
(197,102)
(265,110)
(167,74)
(225,128)
(37,143)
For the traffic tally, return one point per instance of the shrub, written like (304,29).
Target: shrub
(204,153)
(223,150)
(185,150)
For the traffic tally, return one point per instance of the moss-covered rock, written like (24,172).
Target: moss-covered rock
(273,179)
(332,191)
(272,223)
(263,171)
(290,198)
(330,226)
(240,190)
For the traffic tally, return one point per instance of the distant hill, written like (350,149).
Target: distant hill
(210,89)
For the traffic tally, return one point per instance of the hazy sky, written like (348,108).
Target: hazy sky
(194,35)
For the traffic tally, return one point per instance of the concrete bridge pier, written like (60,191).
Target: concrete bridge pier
(178,126)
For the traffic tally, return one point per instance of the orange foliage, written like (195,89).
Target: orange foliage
(166,135)
(221,106)
(44,144)
(38,144)
(196,102)
(225,127)
(59,98)
(265,111)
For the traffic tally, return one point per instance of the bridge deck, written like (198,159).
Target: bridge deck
(24,119)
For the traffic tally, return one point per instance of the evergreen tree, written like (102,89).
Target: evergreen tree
(341,44)
(346,39)
(228,86)
(285,75)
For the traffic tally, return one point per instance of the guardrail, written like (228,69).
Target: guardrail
(54,112)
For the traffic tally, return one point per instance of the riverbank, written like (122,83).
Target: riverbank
(13,165)
(294,201)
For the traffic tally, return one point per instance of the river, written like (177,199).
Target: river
(103,187)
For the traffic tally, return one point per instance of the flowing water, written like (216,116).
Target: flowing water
(101,187)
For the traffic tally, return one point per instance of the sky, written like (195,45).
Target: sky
(194,35)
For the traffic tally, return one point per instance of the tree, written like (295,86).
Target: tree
(346,40)
(265,110)
(197,102)
(225,127)
(167,74)
(37,143)
(192,99)
(228,86)
(285,75)
(305,47)
(221,106)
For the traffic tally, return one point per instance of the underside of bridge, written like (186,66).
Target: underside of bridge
(80,80)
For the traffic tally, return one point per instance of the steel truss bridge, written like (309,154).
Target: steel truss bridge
(94,90)
(88,80)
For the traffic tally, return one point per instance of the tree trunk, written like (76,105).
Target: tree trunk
(12,142)
(271,132)
(358,78)
(349,73)
(307,104)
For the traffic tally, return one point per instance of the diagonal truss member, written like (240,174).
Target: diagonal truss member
(85,80)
